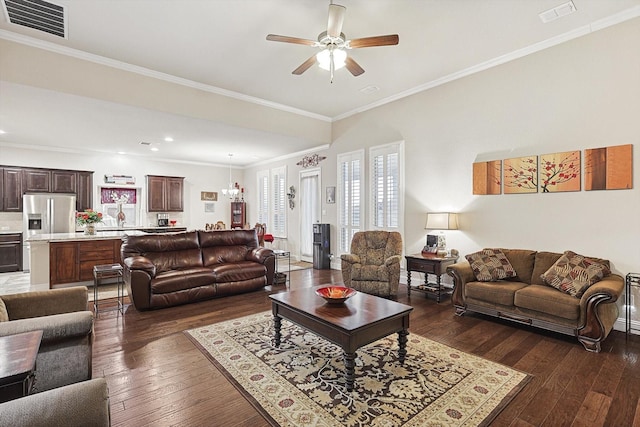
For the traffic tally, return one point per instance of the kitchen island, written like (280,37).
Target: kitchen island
(68,258)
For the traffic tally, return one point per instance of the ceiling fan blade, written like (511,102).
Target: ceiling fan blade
(353,67)
(304,66)
(287,39)
(388,40)
(336,18)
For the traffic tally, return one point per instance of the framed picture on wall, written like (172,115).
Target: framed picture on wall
(331,195)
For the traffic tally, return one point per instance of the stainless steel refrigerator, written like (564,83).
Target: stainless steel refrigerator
(45,213)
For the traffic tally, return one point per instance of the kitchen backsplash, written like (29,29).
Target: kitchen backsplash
(11,221)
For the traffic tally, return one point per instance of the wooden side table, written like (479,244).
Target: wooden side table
(429,264)
(18,364)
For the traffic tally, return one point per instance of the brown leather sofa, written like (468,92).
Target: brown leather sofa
(526,299)
(163,270)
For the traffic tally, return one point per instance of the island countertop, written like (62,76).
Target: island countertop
(80,236)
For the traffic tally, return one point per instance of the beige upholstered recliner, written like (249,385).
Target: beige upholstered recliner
(373,266)
(67,339)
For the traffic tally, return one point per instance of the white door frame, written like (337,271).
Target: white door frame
(306,202)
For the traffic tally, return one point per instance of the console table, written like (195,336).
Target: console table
(429,264)
(18,364)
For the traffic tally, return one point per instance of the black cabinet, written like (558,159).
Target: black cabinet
(321,246)
(10,252)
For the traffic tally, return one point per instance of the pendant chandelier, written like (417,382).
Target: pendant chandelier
(232,190)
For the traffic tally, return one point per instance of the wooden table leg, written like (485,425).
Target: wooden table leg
(350,369)
(402,344)
(409,283)
(277,324)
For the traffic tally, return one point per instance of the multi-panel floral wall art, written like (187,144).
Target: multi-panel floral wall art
(608,168)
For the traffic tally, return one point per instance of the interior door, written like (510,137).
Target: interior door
(310,210)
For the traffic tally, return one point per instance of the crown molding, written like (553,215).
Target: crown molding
(97,59)
(607,22)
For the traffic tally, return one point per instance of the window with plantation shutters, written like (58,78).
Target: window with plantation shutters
(350,182)
(279,201)
(263,197)
(386,186)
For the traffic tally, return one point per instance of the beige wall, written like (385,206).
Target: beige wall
(578,95)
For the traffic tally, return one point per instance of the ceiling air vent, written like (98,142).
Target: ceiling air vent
(36,14)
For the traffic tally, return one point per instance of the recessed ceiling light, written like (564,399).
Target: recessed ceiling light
(155,149)
(168,139)
(557,12)
(2,132)
(121,152)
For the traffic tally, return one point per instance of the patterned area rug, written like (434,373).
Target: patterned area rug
(301,383)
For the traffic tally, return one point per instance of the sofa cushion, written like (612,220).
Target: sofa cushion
(544,261)
(502,294)
(4,316)
(238,271)
(523,262)
(489,265)
(177,280)
(548,300)
(573,273)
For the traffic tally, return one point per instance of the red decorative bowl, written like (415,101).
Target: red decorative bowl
(336,294)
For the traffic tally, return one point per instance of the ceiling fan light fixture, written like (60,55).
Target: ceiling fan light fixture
(324,58)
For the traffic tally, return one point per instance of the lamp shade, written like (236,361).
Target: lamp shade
(441,221)
(338,56)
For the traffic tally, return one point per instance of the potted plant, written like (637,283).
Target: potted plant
(88,219)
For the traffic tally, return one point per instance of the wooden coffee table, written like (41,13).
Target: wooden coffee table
(361,320)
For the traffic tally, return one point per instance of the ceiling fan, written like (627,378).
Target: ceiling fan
(334,45)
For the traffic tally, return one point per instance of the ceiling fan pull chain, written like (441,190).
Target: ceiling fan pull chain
(331,64)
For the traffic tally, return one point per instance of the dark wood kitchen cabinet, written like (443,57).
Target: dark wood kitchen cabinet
(64,181)
(71,262)
(84,191)
(165,193)
(36,180)
(10,252)
(15,181)
(11,189)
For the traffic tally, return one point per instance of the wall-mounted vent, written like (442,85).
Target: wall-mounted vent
(37,14)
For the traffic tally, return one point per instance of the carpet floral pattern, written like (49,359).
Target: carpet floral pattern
(301,383)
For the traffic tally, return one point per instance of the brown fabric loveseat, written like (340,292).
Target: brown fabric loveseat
(527,299)
(162,270)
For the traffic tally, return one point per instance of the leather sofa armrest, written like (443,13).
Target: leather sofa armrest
(395,259)
(461,273)
(140,263)
(350,258)
(259,255)
(45,303)
(75,405)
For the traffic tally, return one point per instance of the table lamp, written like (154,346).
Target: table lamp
(437,243)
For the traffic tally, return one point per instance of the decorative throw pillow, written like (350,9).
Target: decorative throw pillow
(490,265)
(573,273)
(4,316)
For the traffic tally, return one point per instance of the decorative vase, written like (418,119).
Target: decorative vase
(121,217)
(90,229)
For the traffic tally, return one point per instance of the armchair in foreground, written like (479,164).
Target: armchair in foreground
(67,338)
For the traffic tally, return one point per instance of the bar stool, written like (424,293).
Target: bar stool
(108,271)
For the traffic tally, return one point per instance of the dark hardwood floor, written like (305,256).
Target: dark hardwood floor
(157,377)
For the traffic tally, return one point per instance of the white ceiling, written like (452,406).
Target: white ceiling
(221,43)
